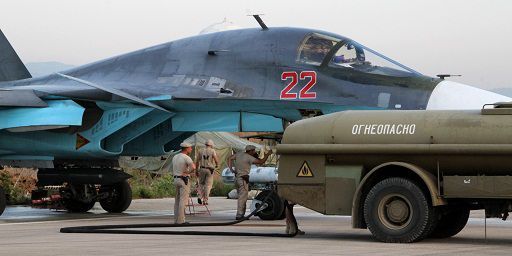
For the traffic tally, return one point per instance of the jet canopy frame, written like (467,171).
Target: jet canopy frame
(327,51)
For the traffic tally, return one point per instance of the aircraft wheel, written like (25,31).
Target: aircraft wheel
(3,200)
(119,198)
(275,208)
(396,210)
(451,223)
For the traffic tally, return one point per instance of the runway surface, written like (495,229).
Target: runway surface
(27,231)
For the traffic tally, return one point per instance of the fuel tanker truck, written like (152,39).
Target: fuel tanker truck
(404,175)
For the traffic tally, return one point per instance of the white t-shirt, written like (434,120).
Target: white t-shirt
(181,164)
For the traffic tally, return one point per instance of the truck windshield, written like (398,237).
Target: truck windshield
(352,55)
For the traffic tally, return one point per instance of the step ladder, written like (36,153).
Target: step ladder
(192,208)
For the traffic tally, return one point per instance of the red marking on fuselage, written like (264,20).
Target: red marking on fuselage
(305,92)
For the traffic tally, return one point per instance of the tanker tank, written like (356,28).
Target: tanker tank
(404,175)
(458,141)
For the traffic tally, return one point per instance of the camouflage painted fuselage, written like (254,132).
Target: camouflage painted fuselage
(224,81)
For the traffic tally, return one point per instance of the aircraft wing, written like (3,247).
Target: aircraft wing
(66,121)
(114,91)
(29,108)
(20,98)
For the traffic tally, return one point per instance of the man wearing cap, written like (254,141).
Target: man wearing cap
(207,161)
(243,162)
(182,167)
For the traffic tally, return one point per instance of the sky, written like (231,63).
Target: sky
(472,38)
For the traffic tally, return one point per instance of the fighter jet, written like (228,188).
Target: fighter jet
(74,125)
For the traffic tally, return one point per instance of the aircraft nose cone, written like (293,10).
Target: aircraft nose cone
(450,95)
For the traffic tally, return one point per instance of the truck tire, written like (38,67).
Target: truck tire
(3,200)
(275,208)
(120,197)
(396,210)
(78,201)
(76,206)
(451,223)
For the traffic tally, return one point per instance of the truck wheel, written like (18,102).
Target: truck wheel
(119,197)
(78,198)
(3,200)
(396,210)
(451,223)
(275,207)
(73,205)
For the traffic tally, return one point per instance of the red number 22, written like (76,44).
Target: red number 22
(304,93)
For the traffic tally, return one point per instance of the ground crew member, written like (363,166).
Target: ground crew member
(243,162)
(207,161)
(182,167)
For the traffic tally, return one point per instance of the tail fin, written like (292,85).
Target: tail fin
(11,67)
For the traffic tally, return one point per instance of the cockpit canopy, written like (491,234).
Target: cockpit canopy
(344,54)
(315,48)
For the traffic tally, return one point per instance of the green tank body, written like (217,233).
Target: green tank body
(405,175)
(402,127)
(457,141)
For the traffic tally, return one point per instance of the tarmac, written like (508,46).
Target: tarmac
(28,231)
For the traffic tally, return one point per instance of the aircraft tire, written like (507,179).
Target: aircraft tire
(120,199)
(275,208)
(451,223)
(3,200)
(397,210)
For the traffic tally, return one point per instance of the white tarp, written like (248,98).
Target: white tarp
(221,140)
(224,143)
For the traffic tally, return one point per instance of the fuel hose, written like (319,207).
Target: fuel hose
(136,228)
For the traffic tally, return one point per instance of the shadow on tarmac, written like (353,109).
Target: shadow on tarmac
(367,237)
